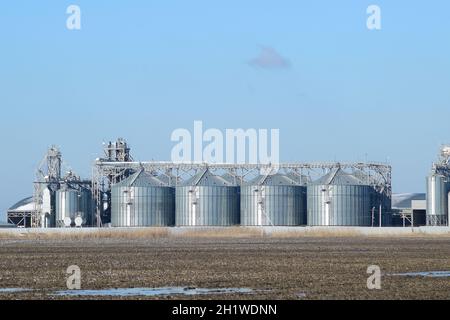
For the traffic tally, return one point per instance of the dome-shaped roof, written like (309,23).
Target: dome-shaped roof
(24,205)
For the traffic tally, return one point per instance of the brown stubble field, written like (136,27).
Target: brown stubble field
(276,268)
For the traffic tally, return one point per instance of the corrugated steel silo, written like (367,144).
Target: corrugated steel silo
(438,188)
(207,200)
(380,203)
(274,200)
(142,200)
(339,199)
(72,203)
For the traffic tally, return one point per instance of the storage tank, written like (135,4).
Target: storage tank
(48,212)
(437,200)
(380,203)
(339,199)
(274,200)
(71,203)
(142,200)
(207,200)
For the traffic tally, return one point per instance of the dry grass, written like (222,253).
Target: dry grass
(215,233)
(148,233)
(231,232)
(315,233)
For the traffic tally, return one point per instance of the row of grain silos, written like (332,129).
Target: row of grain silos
(337,199)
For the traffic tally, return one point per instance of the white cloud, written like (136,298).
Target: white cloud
(269,58)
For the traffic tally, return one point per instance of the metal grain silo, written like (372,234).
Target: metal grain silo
(207,200)
(142,200)
(71,203)
(437,200)
(380,202)
(274,200)
(339,199)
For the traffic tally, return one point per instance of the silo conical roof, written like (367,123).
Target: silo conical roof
(206,178)
(273,180)
(300,179)
(338,176)
(231,179)
(141,179)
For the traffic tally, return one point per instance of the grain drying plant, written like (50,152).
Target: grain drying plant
(207,200)
(126,193)
(241,194)
(60,201)
(142,200)
(438,190)
(273,200)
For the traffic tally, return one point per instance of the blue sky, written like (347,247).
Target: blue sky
(140,69)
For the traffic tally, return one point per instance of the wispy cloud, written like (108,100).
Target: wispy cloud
(269,58)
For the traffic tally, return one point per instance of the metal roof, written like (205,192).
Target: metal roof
(339,177)
(141,179)
(404,200)
(206,178)
(6,225)
(24,205)
(300,179)
(234,180)
(273,180)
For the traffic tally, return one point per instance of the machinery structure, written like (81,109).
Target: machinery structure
(118,165)
(438,190)
(56,195)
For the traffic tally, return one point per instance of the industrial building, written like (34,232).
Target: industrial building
(126,193)
(409,209)
(438,190)
(20,213)
(244,194)
(58,200)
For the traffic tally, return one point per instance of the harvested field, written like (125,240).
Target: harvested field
(275,267)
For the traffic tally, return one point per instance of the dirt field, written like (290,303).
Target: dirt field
(283,268)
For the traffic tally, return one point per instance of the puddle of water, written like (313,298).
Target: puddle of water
(14,290)
(430,274)
(153,292)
